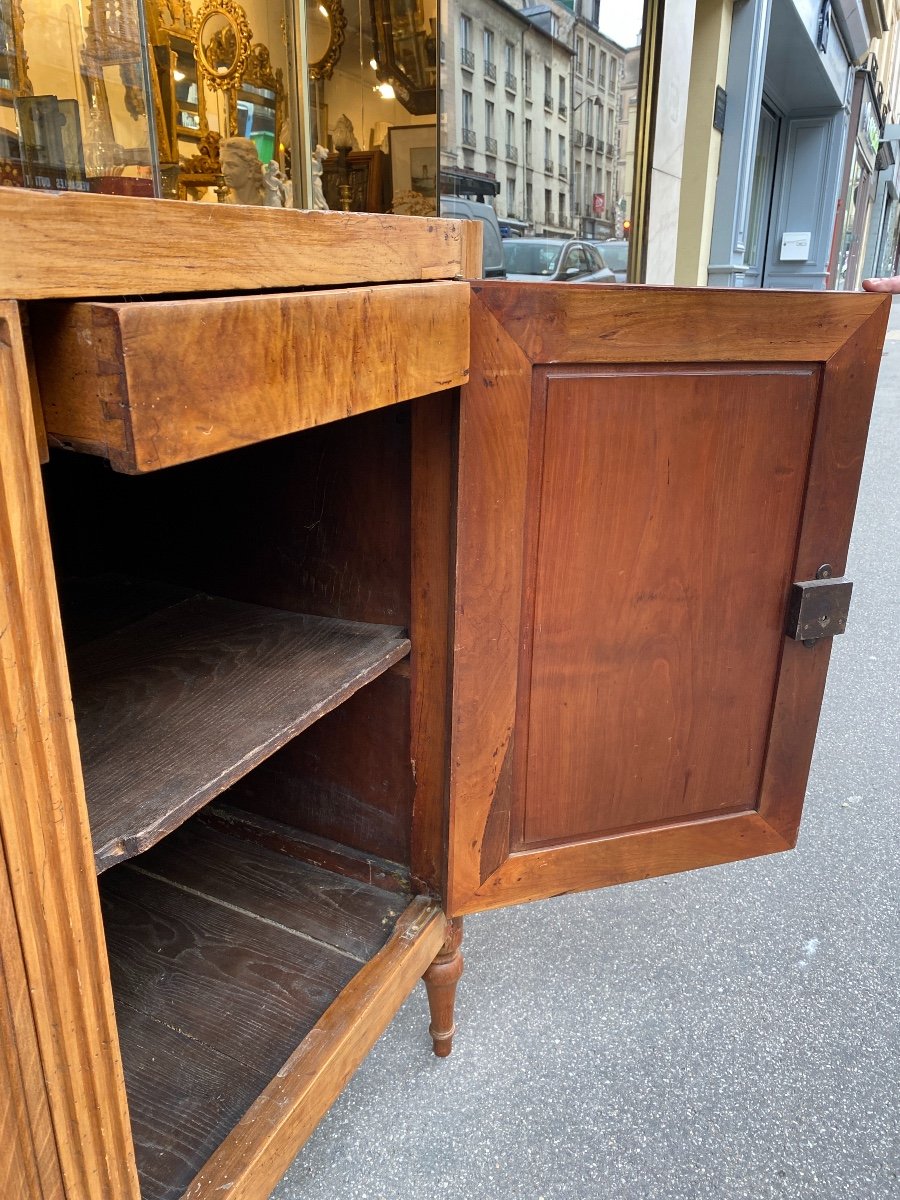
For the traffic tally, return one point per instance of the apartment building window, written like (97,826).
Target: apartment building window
(511,148)
(548,152)
(490,67)
(610,130)
(548,206)
(527,76)
(592,63)
(562,208)
(589,184)
(602,80)
(510,197)
(529,202)
(595,12)
(509,62)
(468,119)
(563,166)
(527,141)
(579,55)
(490,138)
(548,89)
(563,105)
(466,53)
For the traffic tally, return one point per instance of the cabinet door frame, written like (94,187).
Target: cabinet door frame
(516,331)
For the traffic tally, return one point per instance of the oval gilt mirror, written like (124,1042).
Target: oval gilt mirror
(222,38)
(325,26)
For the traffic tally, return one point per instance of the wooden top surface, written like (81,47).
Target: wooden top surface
(69,245)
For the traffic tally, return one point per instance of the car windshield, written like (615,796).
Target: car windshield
(526,257)
(615,255)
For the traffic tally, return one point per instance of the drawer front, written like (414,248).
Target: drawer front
(151,385)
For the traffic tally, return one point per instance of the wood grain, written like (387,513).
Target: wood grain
(124,246)
(836,461)
(172,710)
(224,957)
(348,778)
(556,323)
(29,1167)
(158,389)
(224,864)
(653,528)
(495,412)
(43,822)
(665,512)
(257,1153)
(434,436)
(200,525)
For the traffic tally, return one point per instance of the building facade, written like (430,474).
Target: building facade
(529,103)
(788,174)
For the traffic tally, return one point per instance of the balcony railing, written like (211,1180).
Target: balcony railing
(589,141)
(467,58)
(590,76)
(548,166)
(512,153)
(548,101)
(468,137)
(490,145)
(511,82)
(563,172)
(563,110)
(490,71)
(602,82)
(579,138)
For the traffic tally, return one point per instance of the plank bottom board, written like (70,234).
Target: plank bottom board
(218,976)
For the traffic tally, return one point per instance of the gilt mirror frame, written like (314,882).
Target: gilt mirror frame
(323,68)
(236,17)
(260,73)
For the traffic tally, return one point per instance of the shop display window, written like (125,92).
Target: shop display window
(203,102)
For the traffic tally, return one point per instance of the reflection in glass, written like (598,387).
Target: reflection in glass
(73,105)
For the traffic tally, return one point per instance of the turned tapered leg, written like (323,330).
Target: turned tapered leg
(441,979)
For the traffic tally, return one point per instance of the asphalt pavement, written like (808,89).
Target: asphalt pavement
(727,1034)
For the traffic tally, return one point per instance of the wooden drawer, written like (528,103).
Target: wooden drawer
(153,384)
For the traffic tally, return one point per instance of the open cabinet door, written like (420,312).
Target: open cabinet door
(645,475)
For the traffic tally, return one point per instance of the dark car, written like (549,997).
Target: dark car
(555,260)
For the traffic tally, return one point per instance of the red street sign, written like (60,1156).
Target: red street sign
(599,203)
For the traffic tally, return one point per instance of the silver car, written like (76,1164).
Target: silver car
(555,260)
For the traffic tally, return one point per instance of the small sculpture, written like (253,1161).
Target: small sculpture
(273,183)
(242,170)
(318,159)
(343,136)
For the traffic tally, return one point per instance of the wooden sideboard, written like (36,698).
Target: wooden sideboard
(353,596)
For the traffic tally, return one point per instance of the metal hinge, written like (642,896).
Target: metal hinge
(819,608)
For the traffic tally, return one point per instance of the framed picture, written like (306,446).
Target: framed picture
(414,167)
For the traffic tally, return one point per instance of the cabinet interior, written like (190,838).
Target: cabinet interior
(237,635)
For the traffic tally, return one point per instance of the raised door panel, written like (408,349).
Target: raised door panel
(643,476)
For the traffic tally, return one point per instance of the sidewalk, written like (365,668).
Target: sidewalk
(730,1034)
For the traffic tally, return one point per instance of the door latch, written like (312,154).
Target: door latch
(819,607)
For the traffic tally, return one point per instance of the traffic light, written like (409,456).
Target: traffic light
(626,229)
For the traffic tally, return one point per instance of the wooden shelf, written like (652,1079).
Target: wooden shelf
(224,955)
(174,708)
